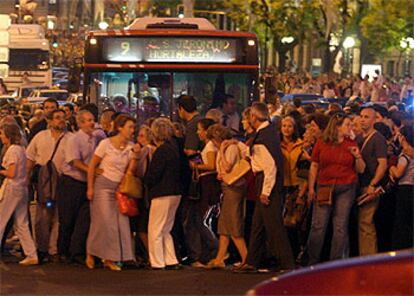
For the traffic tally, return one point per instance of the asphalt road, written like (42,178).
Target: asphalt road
(62,279)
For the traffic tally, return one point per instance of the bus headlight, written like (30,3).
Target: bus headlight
(93,41)
(251,42)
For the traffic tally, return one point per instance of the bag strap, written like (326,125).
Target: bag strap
(56,147)
(367,140)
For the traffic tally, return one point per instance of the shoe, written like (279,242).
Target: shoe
(246,268)
(198,264)
(90,262)
(54,258)
(214,265)
(264,270)
(156,268)
(186,261)
(173,267)
(236,266)
(29,261)
(43,257)
(111,265)
(64,259)
(282,271)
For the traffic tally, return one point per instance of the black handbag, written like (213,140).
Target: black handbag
(294,212)
(210,188)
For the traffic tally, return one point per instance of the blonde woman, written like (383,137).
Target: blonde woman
(164,190)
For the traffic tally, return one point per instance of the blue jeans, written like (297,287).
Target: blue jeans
(342,200)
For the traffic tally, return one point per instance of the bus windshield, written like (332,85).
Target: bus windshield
(28,59)
(154,93)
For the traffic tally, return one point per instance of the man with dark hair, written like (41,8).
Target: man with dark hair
(39,152)
(187,111)
(70,117)
(231,118)
(267,226)
(297,102)
(382,113)
(49,105)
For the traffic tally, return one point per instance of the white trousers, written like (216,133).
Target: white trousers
(15,202)
(161,221)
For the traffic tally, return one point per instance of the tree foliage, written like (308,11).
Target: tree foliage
(387,22)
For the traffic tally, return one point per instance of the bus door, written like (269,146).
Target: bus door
(146,94)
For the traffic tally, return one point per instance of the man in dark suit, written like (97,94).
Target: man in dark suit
(267,226)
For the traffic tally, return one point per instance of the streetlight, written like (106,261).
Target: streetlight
(287,40)
(103,25)
(348,43)
(50,25)
(407,44)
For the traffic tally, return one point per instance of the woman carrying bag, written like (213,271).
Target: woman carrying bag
(230,224)
(294,187)
(109,235)
(336,160)
(139,167)
(209,194)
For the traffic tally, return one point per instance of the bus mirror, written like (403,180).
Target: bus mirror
(94,91)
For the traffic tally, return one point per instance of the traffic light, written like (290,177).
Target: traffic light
(55,43)
(180,11)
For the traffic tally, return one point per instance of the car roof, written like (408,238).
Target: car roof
(53,90)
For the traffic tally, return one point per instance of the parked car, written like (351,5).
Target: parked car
(58,94)
(6,99)
(76,98)
(314,99)
(23,92)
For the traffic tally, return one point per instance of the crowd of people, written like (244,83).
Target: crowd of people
(376,88)
(278,186)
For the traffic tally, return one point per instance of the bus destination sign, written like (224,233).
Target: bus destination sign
(170,50)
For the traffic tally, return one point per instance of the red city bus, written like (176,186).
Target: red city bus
(145,67)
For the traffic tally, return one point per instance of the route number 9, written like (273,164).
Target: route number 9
(125,47)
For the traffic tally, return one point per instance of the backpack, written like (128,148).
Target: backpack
(48,179)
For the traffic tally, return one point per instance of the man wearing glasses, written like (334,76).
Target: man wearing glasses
(39,152)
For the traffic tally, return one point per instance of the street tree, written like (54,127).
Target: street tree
(387,23)
(279,24)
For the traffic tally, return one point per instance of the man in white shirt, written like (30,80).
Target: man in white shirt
(39,152)
(267,164)
(73,205)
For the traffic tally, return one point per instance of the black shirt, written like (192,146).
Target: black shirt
(192,141)
(38,127)
(375,148)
